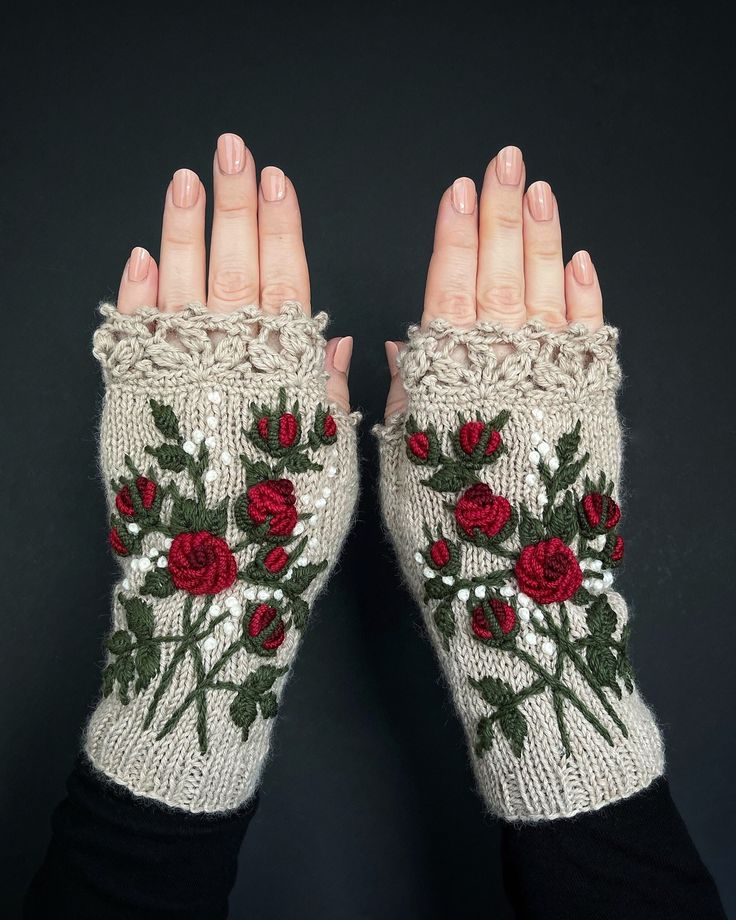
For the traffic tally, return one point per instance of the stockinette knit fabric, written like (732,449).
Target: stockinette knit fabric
(499,488)
(231,486)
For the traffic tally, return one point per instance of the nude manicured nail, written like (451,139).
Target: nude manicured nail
(185,188)
(138,264)
(463,196)
(582,268)
(508,166)
(541,201)
(273,183)
(343,354)
(230,154)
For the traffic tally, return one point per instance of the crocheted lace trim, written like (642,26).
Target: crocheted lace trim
(196,344)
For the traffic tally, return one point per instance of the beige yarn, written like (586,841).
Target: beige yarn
(548,381)
(182,359)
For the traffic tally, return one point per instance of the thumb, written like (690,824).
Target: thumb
(397,400)
(337,364)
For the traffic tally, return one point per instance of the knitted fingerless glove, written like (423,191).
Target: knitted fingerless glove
(231,487)
(499,488)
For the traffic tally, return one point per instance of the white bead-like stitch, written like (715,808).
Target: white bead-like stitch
(523,614)
(596,586)
(134,564)
(189,447)
(523,600)
(126,584)
(167,542)
(538,414)
(507,591)
(144,564)
(595,565)
(428,573)
(536,437)
(231,601)
(212,421)
(534,457)
(548,647)
(313,543)
(210,442)
(226,457)
(530,479)
(211,475)
(250,594)
(530,638)
(228,628)
(298,528)
(463,594)
(418,557)
(320,503)
(314,520)
(209,643)
(162,562)
(480,591)
(214,397)
(278,594)
(599,542)
(306,499)
(198,435)
(302,560)
(235,611)
(133,527)
(215,610)
(327,491)
(263,594)
(448,580)
(542,498)
(537,616)
(554,464)
(152,552)
(331,471)
(607,579)
(543,448)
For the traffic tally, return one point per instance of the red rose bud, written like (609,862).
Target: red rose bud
(146,489)
(275,559)
(471,433)
(548,571)
(260,620)
(502,621)
(440,553)
(201,563)
(418,445)
(288,429)
(116,543)
(329,427)
(617,553)
(273,500)
(263,426)
(478,509)
(600,512)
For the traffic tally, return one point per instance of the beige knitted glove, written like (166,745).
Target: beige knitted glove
(232,485)
(499,489)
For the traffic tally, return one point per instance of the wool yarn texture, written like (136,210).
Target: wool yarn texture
(500,490)
(231,483)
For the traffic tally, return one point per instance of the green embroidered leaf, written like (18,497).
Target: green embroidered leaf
(568,444)
(302,577)
(498,421)
(601,618)
(158,583)
(582,597)
(563,520)
(139,615)
(124,674)
(108,680)
(244,710)
(450,477)
(147,664)
(299,612)
(513,725)
(189,515)
(444,620)
(255,470)
(569,472)
(120,642)
(531,530)
(494,691)
(269,705)
(217,518)
(602,663)
(483,736)
(165,420)
(436,589)
(297,462)
(170,457)
(263,678)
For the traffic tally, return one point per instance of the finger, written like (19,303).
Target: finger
(500,287)
(139,284)
(283,263)
(182,260)
(450,291)
(544,273)
(233,277)
(337,364)
(397,400)
(583,292)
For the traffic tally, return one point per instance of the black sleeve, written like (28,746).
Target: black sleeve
(633,860)
(114,855)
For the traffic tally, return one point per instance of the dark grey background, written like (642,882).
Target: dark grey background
(367,808)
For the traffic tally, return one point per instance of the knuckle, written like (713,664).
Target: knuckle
(546,250)
(231,284)
(550,314)
(503,295)
(276,292)
(457,305)
(507,219)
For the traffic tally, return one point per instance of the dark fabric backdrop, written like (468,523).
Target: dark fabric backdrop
(368,808)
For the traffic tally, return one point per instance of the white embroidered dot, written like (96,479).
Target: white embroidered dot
(331,471)
(212,421)
(313,521)
(607,579)
(228,628)
(215,610)
(534,457)
(210,442)
(327,491)
(231,602)
(189,447)
(543,448)
(428,573)
(523,600)
(530,638)
(126,584)
(313,543)
(319,503)
(548,647)
(463,594)
(599,542)
(250,594)
(538,414)
(209,643)
(167,542)
(537,616)
(134,564)
(162,562)
(214,397)
(507,591)
(306,499)
(133,528)
(530,479)
(523,614)
(144,564)
(302,560)
(288,575)
(211,475)
(299,527)
(535,438)
(152,552)
(278,594)
(480,591)
(448,580)
(595,565)
(419,558)
(226,457)
(596,586)
(554,464)
(542,498)
(198,435)
(264,594)
(235,611)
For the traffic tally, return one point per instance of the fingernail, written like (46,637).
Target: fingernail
(343,354)
(273,183)
(230,154)
(185,188)
(463,196)
(508,166)
(582,268)
(541,201)
(138,264)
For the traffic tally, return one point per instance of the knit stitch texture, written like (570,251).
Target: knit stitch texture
(231,486)
(499,488)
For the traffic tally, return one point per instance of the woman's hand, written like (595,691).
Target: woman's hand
(500,260)
(256,251)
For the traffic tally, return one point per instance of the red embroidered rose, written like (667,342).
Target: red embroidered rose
(440,553)
(329,427)
(273,500)
(288,429)
(502,619)
(145,488)
(275,559)
(263,425)
(617,553)
(261,626)
(598,513)
(116,543)
(478,509)
(201,563)
(418,445)
(471,433)
(548,571)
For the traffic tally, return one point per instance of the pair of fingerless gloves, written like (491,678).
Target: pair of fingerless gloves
(232,483)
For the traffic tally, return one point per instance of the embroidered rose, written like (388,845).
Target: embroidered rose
(480,511)
(470,434)
(617,552)
(275,560)
(273,501)
(548,571)
(598,513)
(439,552)
(418,445)
(146,490)
(116,542)
(285,427)
(329,427)
(201,563)
(264,629)
(493,620)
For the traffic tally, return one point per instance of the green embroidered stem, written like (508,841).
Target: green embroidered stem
(201,700)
